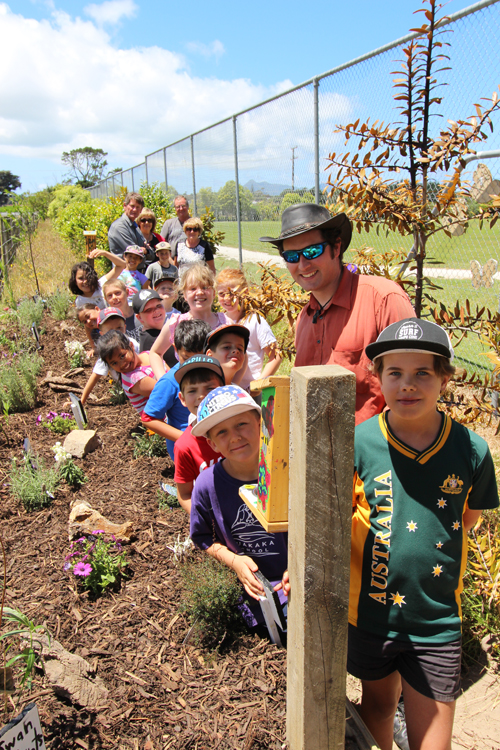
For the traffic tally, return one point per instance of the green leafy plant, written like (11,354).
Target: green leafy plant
(59,304)
(212,595)
(96,561)
(210,234)
(68,470)
(158,201)
(32,482)
(149,444)
(18,386)
(60,424)
(31,653)
(76,353)
(117,395)
(166,500)
(30,311)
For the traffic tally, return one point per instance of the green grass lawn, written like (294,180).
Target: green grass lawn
(454,252)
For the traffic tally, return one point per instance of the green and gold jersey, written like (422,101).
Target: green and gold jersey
(409,548)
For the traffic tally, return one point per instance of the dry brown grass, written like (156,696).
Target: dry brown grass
(53,263)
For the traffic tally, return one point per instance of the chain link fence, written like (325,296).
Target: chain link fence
(282,145)
(10,231)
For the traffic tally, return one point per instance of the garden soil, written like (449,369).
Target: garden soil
(166,691)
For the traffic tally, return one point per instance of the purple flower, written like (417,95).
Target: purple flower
(82,569)
(67,566)
(98,532)
(65,415)
(39,419)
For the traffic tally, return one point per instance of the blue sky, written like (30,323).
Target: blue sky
(130,76)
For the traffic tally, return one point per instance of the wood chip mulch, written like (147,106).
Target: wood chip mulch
(163,694)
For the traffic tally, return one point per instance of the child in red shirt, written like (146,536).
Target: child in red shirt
(197,376)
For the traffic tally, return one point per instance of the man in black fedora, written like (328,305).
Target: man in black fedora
(346,311)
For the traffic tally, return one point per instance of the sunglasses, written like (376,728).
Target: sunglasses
(191,229)
(146,221)
(309,253)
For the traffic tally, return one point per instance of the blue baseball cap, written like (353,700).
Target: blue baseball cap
(221,404)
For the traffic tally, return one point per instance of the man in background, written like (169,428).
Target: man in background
(125,231)
(172,230)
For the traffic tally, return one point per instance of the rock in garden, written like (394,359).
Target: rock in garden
(81,442)
(71,676)
(84,520)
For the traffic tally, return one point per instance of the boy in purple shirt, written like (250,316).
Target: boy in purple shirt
(221,523)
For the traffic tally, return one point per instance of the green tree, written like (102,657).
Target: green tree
(226,201)
(8,183)
(299,196)
(158,201)
(207,198)
(65,194)
(86,165)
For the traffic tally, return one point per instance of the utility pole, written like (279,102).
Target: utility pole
(293,166)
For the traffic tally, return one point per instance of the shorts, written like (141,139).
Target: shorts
(431,669)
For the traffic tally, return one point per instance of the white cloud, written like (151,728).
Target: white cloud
(64,85)
(111,11)
(214,49)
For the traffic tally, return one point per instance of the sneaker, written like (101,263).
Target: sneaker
(400,731)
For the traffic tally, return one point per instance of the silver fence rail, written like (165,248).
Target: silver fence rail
(282,145)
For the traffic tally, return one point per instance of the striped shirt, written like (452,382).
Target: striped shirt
(129,379)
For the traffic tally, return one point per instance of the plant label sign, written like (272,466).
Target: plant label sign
(24,732)
(268,499)
(78,413)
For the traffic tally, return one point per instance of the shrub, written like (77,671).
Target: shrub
(76,353)
(68,470)
(149,444)
(31,654)
(60,424)
(166,499)
(211,600)
(32,483)
(96,561)
(29,312)
(117,395)
(18,387)
(59,304)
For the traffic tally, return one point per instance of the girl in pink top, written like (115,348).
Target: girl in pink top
(137,377)
(197,284)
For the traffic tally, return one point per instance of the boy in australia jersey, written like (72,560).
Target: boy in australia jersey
(421,481)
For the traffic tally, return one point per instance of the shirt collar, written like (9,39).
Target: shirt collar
(341,298)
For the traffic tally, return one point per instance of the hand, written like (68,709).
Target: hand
(96,253)
(245,568)
(285,584)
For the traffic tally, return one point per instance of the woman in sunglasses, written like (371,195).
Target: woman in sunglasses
(147,224)
(193,249)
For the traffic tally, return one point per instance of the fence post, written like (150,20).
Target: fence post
(316,140)
(321,469)
(132,173)
(194,181)
(146,169)
(237,188)
(3,238)
(165,169)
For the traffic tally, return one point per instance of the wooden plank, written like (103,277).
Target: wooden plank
(322,403)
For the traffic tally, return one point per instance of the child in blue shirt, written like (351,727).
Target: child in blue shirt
(164,402)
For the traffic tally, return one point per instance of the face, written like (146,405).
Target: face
(183,354)
(122,360)
(229,350)
(226,298)
(113,324)
(132,260)
(319,275)
(237,438)
(410,386)
(115,297)
(199,298)
(181,209)
(132,209)
(193,394)
(146,226)
(163,257)
(153,315)
(90,318)
(81,281)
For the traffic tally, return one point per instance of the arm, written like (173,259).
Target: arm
(144,386)
(146,285)
(211,265)
(89,386)
(184,495)
(273,364)
(161,428)
(285,584)
(157,351)
(118,263)
(243,566)
(90,340)
(470,518)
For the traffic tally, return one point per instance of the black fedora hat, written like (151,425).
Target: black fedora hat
(302,217)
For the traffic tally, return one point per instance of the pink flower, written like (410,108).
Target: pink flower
(97,532)
(82,569)
(39,419)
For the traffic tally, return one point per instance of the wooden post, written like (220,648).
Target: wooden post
(90,244)
(322,403)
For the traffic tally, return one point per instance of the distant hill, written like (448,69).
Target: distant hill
(267,187)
